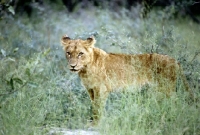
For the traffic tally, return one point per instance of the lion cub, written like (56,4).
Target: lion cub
(102,73)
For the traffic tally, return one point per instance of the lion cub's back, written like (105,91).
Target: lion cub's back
(140,60)
(142,66)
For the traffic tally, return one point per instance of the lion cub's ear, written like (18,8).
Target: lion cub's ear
(64,40)
(91,41)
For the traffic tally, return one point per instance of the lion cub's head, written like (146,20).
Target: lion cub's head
(79,53)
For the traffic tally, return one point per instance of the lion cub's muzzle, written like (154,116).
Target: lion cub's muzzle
(74,68)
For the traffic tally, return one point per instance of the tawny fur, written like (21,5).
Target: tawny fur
(102,72)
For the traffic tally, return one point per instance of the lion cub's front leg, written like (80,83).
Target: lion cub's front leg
(98,98)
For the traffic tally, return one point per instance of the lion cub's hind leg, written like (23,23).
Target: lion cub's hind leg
(165,87)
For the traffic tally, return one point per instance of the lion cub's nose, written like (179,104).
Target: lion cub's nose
(73,65)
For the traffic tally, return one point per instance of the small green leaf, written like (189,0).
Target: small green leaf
(40,70)
(32,84)
(11,9)
(113,44)
(28,72)
(3,52)
(18,80)
(11,83)
(47,51)
(11,59)
(15,50)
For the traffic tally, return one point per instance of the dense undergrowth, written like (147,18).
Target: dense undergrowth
(38,92)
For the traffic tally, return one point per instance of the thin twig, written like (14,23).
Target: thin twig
(196,54)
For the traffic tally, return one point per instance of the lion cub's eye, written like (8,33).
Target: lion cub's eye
(68,53)
(80,54)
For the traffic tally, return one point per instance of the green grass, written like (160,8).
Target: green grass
(137,114)
(38,92)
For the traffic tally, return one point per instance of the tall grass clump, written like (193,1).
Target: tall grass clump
(37,92)
(134,114)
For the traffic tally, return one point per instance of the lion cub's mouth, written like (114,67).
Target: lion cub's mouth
(74,70)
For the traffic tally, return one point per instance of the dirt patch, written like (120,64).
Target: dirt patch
(62,131)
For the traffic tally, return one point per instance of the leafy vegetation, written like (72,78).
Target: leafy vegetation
(38,92)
